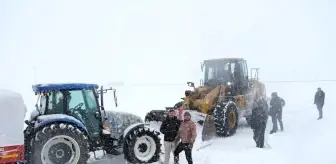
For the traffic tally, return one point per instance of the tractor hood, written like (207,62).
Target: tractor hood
(119,121)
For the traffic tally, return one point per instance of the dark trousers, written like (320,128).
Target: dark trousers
(319,108)
(259,135)
(187,150)
(277,116)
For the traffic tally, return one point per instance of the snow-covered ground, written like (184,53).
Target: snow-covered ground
(305,139)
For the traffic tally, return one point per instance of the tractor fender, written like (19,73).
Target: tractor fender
(58,118)
(132,127)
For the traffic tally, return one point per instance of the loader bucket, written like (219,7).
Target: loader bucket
(209,128)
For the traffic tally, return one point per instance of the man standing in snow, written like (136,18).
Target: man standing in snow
(259,120)
(276,105)
(319,101)
(187,135)
(169,128)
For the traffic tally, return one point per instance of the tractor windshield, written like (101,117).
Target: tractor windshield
(218,72)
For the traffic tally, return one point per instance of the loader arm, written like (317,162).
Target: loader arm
(206,103)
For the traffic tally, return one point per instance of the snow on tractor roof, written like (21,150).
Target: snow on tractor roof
(62,86)
(12,114)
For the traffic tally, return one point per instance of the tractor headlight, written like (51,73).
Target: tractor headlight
(229,83)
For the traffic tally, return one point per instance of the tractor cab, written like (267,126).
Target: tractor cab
(77,100)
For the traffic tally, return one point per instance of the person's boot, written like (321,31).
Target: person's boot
(273,131)
(281,127)
(320,114)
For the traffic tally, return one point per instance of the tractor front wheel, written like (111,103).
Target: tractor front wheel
(60,143)
(142,146)
(226,119)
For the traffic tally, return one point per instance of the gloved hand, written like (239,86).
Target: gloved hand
(190,146)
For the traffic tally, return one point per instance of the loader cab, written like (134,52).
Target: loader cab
(77,100)
(221,71)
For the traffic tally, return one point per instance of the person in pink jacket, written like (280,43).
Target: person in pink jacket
(187,135)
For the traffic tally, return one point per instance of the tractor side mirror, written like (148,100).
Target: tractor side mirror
(202,66)
(115,98)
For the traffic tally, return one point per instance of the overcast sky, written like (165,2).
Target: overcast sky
(157,41)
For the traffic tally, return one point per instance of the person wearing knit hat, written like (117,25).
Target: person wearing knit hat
(169,128)
(187,135)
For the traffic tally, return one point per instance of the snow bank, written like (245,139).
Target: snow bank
(12,114)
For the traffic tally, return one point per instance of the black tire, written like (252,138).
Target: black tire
(64,134)
(221,114)
(157,116)
(178,105)
(135,144)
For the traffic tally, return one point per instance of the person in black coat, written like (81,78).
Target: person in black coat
(319,101)
(169,128)
(259,121)
(276,105)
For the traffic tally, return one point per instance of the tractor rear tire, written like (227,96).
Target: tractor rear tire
(142,146)
(226,119)
(60,143)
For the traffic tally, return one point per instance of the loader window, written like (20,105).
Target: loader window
(211,73)
(219,72)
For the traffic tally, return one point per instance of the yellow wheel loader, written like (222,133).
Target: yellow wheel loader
(224,97)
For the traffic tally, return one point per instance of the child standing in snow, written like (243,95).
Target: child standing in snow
(187,135)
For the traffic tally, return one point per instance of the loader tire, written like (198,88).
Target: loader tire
(178,105)
(226,119)
(142,146)
(60,143)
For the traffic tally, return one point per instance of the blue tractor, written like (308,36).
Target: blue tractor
(70,122)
